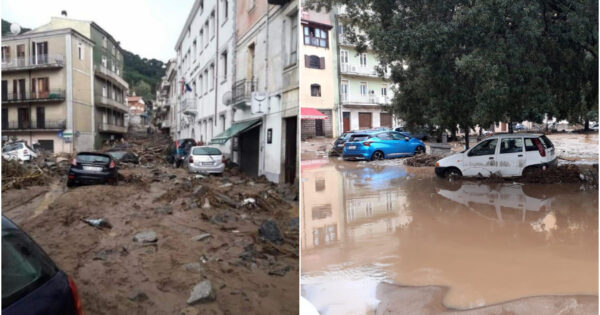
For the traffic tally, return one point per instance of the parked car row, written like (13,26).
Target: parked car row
(196,158)
(376,145)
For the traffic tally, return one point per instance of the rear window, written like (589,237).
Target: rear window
(12,147)
(117,155)
(547,143)
(354,138)
(206,151)
(25,266)
(92,158)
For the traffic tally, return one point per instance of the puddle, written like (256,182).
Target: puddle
(487,243)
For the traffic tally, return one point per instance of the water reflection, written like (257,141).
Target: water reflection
(488,242)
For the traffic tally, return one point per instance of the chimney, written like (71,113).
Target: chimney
(63,13)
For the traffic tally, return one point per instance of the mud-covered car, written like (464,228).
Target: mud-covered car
(338,144)
(381,145)
(506,155)
(178,150)
(19,151)
(31,282)
(92,168)
(204,159)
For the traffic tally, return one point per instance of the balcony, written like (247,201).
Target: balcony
(104,101)
(34,125)
(33,62)
(371,100)
(107,74)
(34,97)
(242,91)
(188,105)
(106,127)
(350,69)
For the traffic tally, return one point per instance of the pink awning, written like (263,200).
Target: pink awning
(311,113)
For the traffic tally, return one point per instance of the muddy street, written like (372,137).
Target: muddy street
(388,237)
(206,228)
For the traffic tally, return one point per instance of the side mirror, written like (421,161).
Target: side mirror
(406,138)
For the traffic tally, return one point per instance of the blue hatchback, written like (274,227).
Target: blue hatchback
(31,282)
(381,145)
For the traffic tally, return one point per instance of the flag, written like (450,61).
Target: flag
(188,88)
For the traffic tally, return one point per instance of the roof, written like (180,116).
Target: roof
(507,135)
(33,33)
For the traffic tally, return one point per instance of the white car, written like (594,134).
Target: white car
(506,155)
(18,151)
(204,159)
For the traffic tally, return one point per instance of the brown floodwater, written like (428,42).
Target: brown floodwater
(367,223)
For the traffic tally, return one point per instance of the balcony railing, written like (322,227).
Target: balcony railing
(188,104)
(106,73)
(106,127)
(351,69)
(242,90)
(109,102)
(35,125)
(365,100)
(32,62)
(38,97)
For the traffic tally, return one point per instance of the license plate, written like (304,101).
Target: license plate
(352,147)
(207,163)
(340,145)
(92,168)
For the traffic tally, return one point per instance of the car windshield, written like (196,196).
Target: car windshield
(547,142)
(24,265)
(117,155)
(362,137)
(12,147)
(92,158)
(206,151)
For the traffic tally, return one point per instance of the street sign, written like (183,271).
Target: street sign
(60,134)
(67,133)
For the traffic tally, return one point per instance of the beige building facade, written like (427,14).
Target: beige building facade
(47,90)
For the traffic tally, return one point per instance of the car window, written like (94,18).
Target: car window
(547,143)
(385,136)
(12,147)
(487,147)
(117,155)
(511,145)
(206,151)
(25,266)
(398,136)
(91,158)
(530,145)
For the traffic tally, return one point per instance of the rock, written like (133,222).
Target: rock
(218,218)
(280,271)
(172,176)
(200,190)
(206,204)
(145,237)
(203,292)
(166,209)
(138,296)
(248,201)
(102,254)
(226,185)
(194,267)
(201,237)
(99,223)
(199,176)
(270,231)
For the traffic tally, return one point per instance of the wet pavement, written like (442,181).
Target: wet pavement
(461,245)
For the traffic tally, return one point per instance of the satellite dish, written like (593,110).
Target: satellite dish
(227,98)
(15,29)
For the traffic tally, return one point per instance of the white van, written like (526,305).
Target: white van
(506,155)
(19,151)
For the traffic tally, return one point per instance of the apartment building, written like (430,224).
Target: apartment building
(363,94)
(164,99)
(265,100)
(110,89)
(319,84)
(47,89)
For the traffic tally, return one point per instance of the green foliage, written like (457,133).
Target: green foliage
(464,62)
(142,74)
(143,89)
(6,28)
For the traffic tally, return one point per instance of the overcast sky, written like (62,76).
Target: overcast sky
(148,28)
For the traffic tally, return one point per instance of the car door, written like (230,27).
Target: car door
(511,156)
(481,159)
(386,144)
(403,146)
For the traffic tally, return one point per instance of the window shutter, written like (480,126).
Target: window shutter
(322,61)
(306,61)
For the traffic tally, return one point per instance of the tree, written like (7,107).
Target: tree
(143,89)
(466,63)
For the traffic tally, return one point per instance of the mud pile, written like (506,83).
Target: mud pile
(422,160)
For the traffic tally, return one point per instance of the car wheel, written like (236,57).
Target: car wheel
(529,171)
(70,183)
(377,155)
(419,150)
(452,173)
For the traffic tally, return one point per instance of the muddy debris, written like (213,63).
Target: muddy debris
(203,292)
(98,223)
(138,296)
(270,231)
(201,237)
(145,237)
(422,160)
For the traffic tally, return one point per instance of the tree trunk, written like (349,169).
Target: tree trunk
(467,138)
(587,125)
(510,127)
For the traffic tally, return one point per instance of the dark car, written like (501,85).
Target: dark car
(92,168)
(420,134)
(124,156)
(338,144)
(178,150)
(31,282)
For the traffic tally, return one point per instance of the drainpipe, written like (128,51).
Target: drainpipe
(339,77)
(264,116)
(216,73)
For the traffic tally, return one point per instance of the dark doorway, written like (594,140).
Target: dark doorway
(319,128)
(47,145)
(249,147)
(4,118)
(291,125)
(40,117)
(364,121)
(24,117)
(346,117)
(385,120)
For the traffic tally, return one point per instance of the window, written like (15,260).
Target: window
(224,64)
(205,81)
(4,113)
(206,31)
(511,145)
(344,90)
(344,56)
(363,88)
(487,147)
(114,49)
(40,114)
(363,60)
(225,9)
(189,31)
(80,51)
(104,61)
(341,29)
(104,42)
(293,38)
(200,86)
(201,38)
(314,36)
(212,24)
(222,119)
(194,45)
(384,90)
(530,144)
(315,90)
(385,136)
(212,76)
(319,184)
(5,54)
(4,90)
(314,62)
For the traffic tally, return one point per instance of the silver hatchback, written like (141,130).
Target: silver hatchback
(203,159)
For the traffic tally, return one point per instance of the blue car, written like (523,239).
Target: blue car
(31,282)
(381,145)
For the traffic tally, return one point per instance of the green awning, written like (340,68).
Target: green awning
(234,130)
